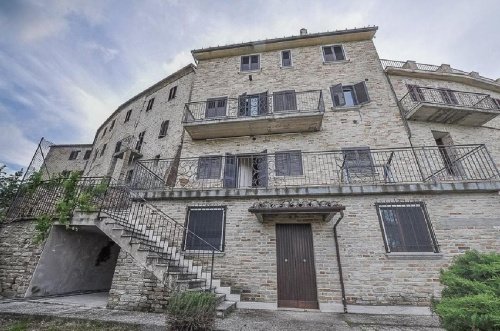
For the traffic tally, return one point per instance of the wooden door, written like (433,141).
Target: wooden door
(295,261)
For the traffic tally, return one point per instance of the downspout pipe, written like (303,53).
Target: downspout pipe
(344,301)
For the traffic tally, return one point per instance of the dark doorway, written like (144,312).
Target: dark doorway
(295,262)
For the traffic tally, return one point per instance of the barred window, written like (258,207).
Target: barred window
(406,227)
(205,227)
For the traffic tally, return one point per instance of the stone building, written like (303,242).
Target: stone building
(298,172)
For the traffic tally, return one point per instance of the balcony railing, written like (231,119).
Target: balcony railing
(430,164)
(449,106)
(257,105)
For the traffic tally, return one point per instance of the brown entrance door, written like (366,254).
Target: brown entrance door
(296,274)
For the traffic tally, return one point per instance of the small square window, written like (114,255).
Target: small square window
(205,228)
(172,93)
(150,104)
(87,154)
(209,167)
(333,53)
(250,62)
(288,163)
(163,129)
(286,58)
(127,116)
(73,155)
(406,227)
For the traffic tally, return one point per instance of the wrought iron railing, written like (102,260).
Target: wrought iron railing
(418,95)
(133,213)
(156,232)
(426,67)
(296,169)
(246,106)
(35,200)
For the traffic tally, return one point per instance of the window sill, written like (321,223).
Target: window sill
(336,62)
(287,67)
(202,252)
(357,107)
(414,256)
(258,71)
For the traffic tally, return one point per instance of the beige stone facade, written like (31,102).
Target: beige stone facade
(459,201)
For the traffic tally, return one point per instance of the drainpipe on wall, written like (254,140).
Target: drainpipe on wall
(344,301)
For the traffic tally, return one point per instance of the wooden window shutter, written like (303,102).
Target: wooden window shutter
(245,63)
(361,93)
(339,53)
(211,110)
(230,171)
(209,167)
(337,95)
(328,54)
(254,62)
(296,163)
(281,164)
(288,163)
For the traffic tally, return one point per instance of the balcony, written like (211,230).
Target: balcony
(360,166)
(129,143)
(280,112)
(448,106)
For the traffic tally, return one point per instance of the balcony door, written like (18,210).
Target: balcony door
(450,155)
(253,105)
(245,170)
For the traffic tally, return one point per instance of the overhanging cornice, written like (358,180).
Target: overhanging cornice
(267,210)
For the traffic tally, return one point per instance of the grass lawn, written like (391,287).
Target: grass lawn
(36,323)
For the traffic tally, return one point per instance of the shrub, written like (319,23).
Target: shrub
(471,295)
(191,311)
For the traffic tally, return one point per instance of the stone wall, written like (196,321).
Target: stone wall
(134,288)
(18,257)
(375,124)
(57,159)
(142,120)
(372,276)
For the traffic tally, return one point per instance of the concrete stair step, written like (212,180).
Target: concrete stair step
(224,308)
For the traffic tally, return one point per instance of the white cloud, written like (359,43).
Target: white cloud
(180,60)
(15,147)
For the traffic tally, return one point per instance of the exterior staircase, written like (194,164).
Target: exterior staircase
(155,240)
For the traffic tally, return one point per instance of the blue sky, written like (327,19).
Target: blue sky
(66,65)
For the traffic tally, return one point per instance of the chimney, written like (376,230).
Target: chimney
(303,31)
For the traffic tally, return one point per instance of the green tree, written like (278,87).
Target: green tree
(9,183)
(471,295)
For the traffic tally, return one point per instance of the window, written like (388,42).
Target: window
(138,145)
(205,228)
(112,125)
(349,95)
(118,146)
(87,154)
(130,175)
(216,108)
(172,93)
(406,227)
(357,163)
(416,93)
(163,129)
(286,58)
(496,102)
(250,62)
(253,105)
(209,167)
(103,150)
(288,163)
(333,53)
(104,132)
(284,101)
(449,153)
(150,104)
(73,155)
(127,116)
(448,96)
